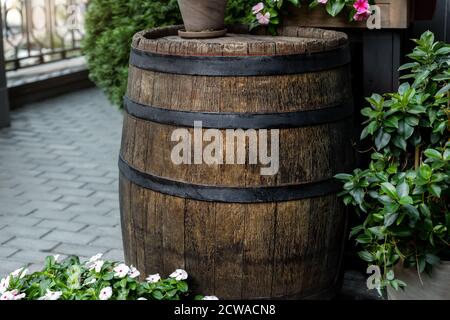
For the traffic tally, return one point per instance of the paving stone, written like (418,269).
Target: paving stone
(73,192)
(102,187)
(97,220)
(26,231)
(4,237)
(65,184)
(87,210)
(59,176)
(70,237)
(92,202)
(39,196)
(106,195)
(47,205)
(102,180)
(62,225)
(8,265)
(30,256)
(58,169)
(114,255)
(84,251)
(104,231)
(114,242)
(32,244)
(6,251)
(54,215)
(21,221)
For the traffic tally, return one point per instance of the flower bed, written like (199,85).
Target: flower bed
(95,279)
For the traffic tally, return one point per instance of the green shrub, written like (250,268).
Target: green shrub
(403,195)
(110,26)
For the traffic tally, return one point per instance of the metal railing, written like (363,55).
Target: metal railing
(41,31)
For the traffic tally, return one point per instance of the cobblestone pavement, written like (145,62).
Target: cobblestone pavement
(58,181)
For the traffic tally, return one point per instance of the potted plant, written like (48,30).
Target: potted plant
(203,18)
(94,279)
(394,14)
(403,194)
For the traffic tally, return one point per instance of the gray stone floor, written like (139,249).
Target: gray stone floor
(58,181)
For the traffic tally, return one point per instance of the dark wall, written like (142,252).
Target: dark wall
(440,24)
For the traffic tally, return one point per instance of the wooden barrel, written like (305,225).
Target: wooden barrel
(238,233)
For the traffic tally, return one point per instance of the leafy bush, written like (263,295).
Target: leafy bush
(93,280)
(110,26)
(403,195)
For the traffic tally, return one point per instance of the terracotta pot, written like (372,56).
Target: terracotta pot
(203,18)
(434,287)
(424,9)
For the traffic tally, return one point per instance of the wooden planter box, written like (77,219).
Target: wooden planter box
(395,14)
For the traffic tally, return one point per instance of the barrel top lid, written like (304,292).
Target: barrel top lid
(292,40)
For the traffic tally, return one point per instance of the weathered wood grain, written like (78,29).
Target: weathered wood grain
(239,251)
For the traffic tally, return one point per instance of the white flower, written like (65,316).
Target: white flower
(4,284)
(179,275)
(97,265)
(19,273)
(96,257)
(210,298)
(92,281)
(7,296)
(154,278)
(142,299)
(17,296)
(134,273)
(51,295)
(105,293)
(121,271)
(56,257)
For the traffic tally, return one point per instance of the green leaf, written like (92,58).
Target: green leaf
(412,120)
(412,211)
(422,264)
(425,172)
(389,189)
(409,66)
(443,90)
(343,176)
(335,7)
(435,190)
(405,130)
(364,238)
(382,139)
(157,295)
(182,286)
(399,142)
(433,154)
(391,122)
(366,256)
(390,219)
(406,200)
(443,51)
(390,275)
(432,259)
(402,189)
(425,210)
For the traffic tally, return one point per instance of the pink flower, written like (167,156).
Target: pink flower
(361,17)
(322,1)
(258,8)
(263,19)
(361,6)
